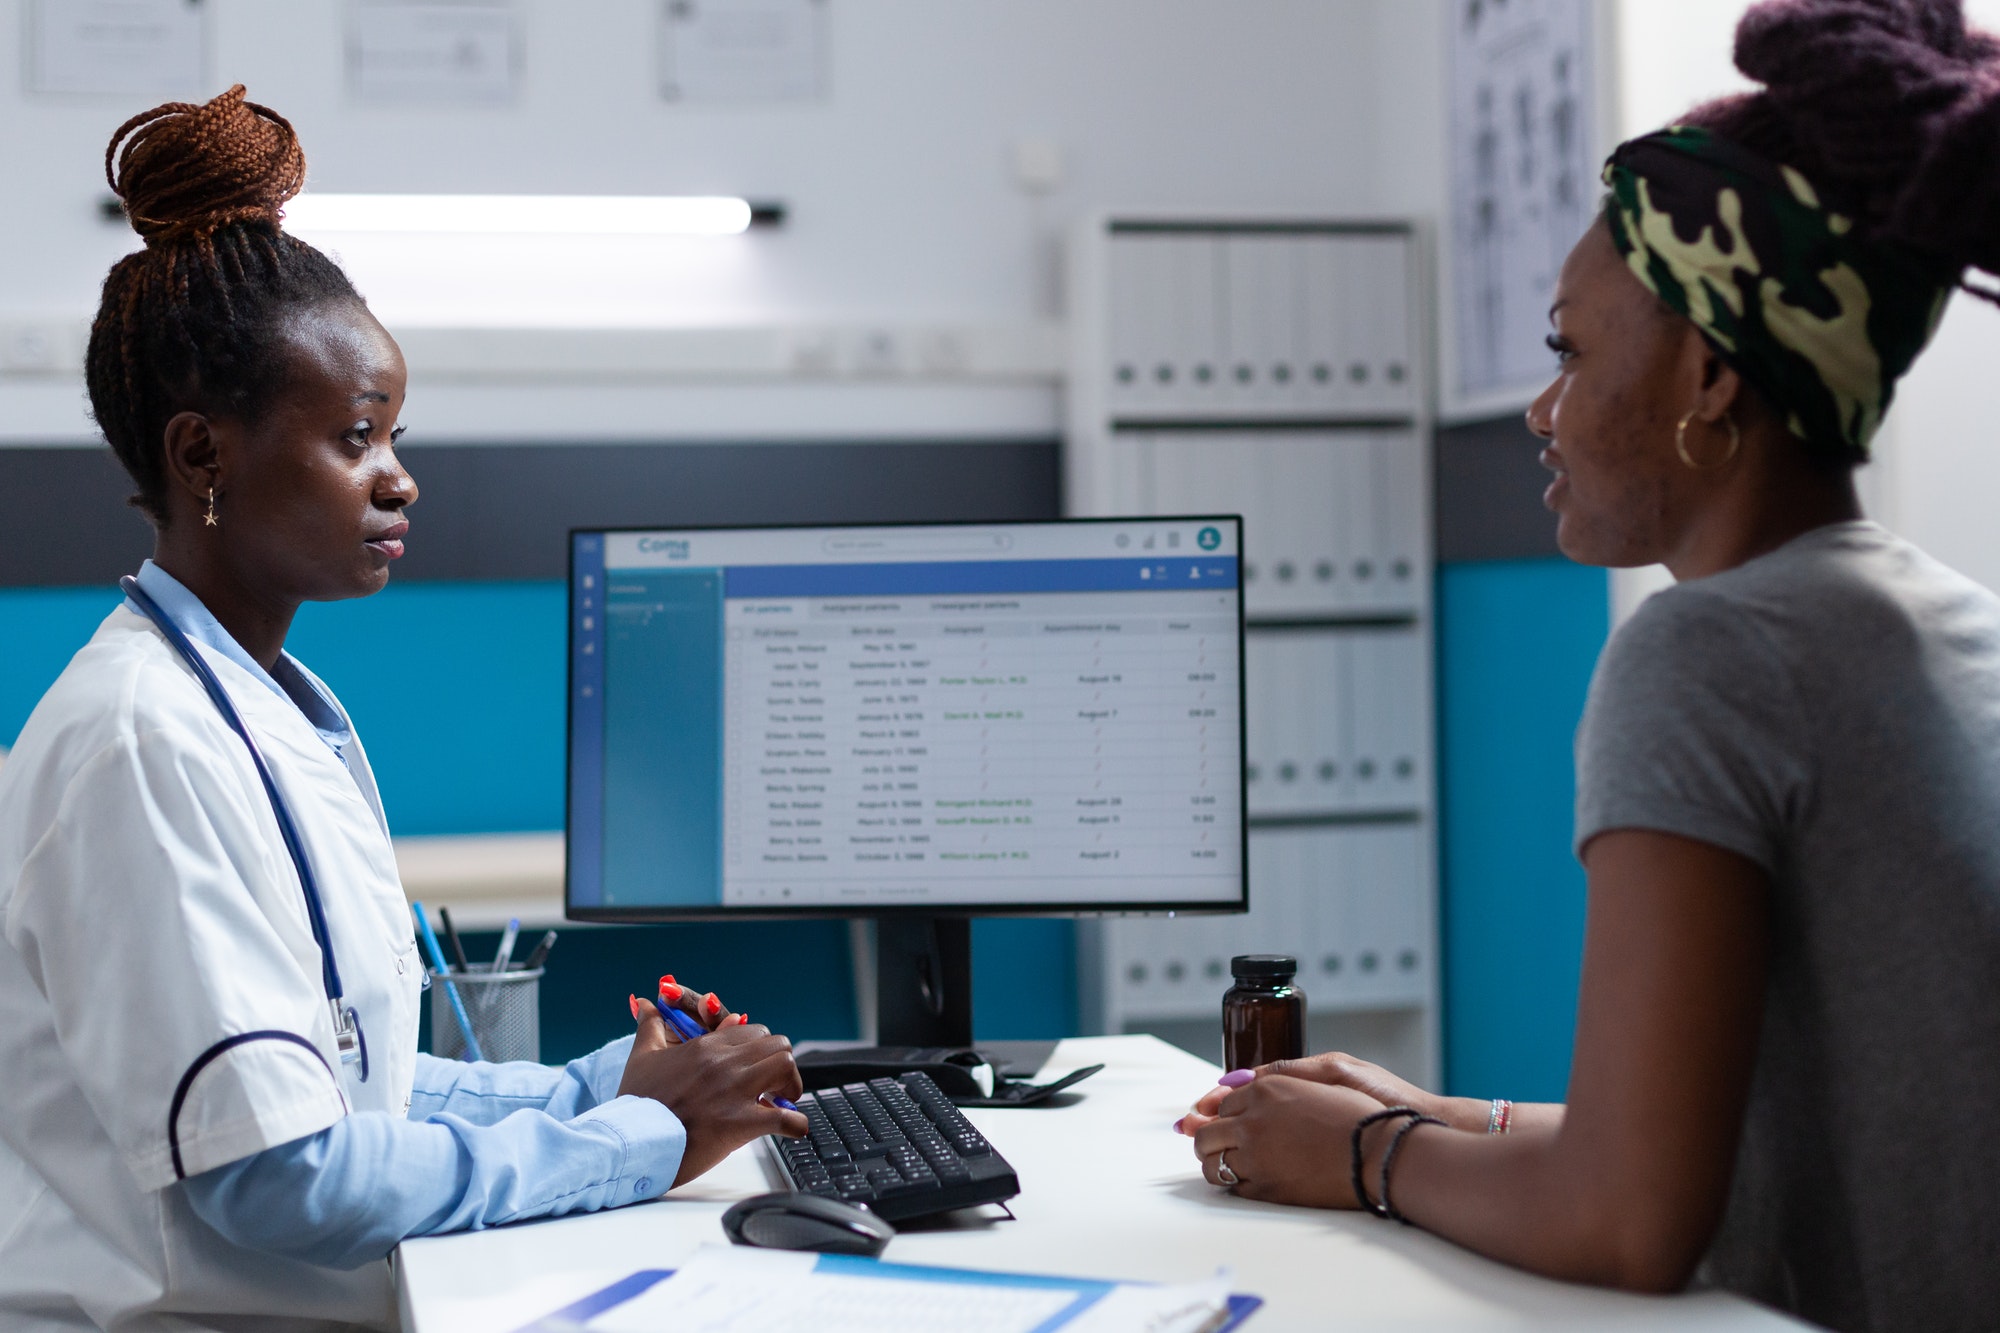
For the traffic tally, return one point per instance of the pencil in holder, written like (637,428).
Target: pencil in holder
(505,1009)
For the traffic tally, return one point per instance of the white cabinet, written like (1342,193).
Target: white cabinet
(1274,369)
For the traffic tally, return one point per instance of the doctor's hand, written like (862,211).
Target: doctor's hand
(715,1085)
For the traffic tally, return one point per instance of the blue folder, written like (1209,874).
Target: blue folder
(578,1314)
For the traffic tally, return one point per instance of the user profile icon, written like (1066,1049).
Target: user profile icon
(1208,539)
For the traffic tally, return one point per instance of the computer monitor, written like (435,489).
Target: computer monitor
(918,724)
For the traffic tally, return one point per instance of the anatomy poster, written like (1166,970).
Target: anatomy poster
(1524,160)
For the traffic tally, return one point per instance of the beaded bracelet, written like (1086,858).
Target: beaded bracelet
(1500,1117)
(1361,1125)
(1389,1161)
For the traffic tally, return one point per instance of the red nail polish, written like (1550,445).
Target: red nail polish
(741,1019)
(635,1006)
(670,992)
(714,1005)
(667,980)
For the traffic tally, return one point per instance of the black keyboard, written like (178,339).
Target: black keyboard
(897,1145)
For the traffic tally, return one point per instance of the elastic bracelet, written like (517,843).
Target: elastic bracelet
(1389,1161)
(1360,1126)
(1501,1116)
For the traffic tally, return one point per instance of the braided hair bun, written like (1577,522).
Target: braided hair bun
(190,323)
(1892,106)
(191,170)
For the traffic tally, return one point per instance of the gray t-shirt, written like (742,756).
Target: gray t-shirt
(1831,710)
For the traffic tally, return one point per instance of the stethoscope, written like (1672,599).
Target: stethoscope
(346,1022)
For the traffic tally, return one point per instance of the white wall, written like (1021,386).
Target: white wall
(902,201)
(1936,474)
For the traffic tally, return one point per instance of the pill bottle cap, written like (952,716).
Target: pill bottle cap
(1273,966)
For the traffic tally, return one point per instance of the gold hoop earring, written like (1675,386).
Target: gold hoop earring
(1681,444)
(209,518)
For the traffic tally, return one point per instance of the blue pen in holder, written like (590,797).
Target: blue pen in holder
(440,970)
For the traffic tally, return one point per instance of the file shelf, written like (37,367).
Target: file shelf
(1275,368)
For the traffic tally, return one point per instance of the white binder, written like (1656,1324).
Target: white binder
(1131,472)
(1289,739)
(1381,726)
(1312,485)
(1353,370)
(1400,455)
(1410,961)
(1196,330)
(1126,318)
(1390,960)
(1389,271)
(1154,341)
(1326,665)
(1320,350)
(1263,708)
(1242,339)
(1372,902)
(1291,382)
(1405,683)
(1327,967)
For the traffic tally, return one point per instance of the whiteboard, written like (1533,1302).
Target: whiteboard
(1524,160)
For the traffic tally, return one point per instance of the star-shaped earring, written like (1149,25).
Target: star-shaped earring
(209,518)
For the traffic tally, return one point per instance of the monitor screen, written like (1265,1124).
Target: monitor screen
(992,718)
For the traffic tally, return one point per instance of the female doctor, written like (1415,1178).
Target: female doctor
(215,1114)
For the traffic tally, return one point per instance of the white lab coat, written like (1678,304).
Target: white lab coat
(150,912)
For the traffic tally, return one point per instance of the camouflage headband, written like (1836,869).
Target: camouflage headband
(1821,321)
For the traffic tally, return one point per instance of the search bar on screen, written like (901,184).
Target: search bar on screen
(926,543)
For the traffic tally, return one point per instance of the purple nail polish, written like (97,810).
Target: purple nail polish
(1236,1078)
(1177,1125)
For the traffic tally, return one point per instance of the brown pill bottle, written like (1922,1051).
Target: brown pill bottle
(1263,1014)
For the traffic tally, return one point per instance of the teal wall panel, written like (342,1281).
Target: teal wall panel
(793,976)
(40,630)
(457,690)
(1517,640)
(1023,979)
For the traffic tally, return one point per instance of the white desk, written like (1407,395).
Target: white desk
(1107,1190)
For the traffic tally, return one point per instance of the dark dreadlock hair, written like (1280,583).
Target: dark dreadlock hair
(188,323)
(1891,106)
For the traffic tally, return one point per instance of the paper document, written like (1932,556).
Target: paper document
(724,1289)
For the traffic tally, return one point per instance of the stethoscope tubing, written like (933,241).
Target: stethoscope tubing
(287,827)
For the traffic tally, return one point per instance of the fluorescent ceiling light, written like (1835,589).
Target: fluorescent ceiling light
(521,214)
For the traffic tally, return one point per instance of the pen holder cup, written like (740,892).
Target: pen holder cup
(505,1009)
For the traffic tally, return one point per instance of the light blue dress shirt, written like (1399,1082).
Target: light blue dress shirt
(482,1144)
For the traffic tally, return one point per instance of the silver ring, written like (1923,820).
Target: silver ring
(1222,1169)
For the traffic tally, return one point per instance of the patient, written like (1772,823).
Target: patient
(1786,1078)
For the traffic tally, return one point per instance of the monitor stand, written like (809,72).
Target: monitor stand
(923,999)
(923,981)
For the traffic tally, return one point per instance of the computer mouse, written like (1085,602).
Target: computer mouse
(785,1221)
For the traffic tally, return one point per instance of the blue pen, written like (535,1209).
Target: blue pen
(444,975)
(689,1030)
(677,1020)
